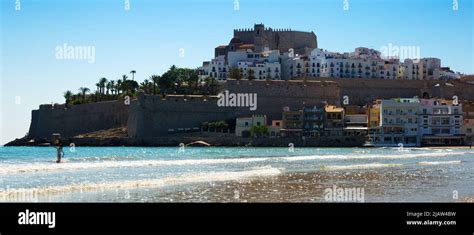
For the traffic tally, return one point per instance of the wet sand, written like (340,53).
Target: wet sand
(385,186)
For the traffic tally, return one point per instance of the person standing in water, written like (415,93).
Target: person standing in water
(60,152)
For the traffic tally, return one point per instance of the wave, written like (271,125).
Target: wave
(266,171)
(359,166)
(373,156)
(439,163)
(44,167)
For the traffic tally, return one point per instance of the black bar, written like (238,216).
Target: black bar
(297,218)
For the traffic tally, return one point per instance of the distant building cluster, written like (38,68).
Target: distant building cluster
(392,122)
(265,53)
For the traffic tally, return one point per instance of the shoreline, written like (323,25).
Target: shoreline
(212,139)
(227,146)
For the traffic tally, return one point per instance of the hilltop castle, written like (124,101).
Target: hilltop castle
(260,39)
(283,54)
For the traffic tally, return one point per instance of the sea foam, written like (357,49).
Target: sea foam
(197,177)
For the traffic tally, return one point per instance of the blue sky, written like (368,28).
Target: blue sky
(147,38)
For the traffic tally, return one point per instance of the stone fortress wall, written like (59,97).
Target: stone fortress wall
(364,91)
(261,37)
(277,39)
(78,119)
(152,116)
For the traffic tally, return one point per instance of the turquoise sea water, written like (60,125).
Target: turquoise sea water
(213,173)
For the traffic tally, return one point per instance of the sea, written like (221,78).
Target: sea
(235,174)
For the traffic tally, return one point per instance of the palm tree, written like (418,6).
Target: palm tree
(67,96)
(112,85)
(130,87)
(102,83)
(210,83)
(83,91)
(133,74)
(145,86)
(124,78)
(98,86)
(119,86)
(155,79)
(165,83)
(235,73)
(108,86)
(250,74)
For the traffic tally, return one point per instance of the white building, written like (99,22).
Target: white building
(441,122)
(244,124)
(422,69)
(362,63)
(216,69)
(398,123)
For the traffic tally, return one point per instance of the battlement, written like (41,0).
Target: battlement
(266,29)
(265,37)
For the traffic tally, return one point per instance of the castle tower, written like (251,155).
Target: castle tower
(259,37)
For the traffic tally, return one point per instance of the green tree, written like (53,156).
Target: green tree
(119,86)
(250,75)
(258,131)
(190,78)
(155,80)
(146,86)
(68,95)
(130,87)
(166,81)
(83,91)
(112,86)
(212,126)
(234,73)
(102,83)
(108,87)
(221,125)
